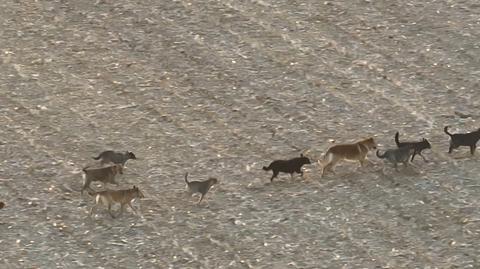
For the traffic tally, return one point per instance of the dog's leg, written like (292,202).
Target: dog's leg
(85,185)
(415,153)
(134,210)
(450,149)
(122,208)
(424,159)
(110,211)
(92,210)
(472,149)
(275,174)
(201,198)
(327,167)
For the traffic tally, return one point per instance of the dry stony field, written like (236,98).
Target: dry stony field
(221,88)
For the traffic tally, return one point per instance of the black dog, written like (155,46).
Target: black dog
(468,139)
(417,146)
(287,166)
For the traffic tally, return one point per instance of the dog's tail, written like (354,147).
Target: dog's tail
(397,141)
(97,158)
(380,156)
(186,180)
(267,168)
(446,131)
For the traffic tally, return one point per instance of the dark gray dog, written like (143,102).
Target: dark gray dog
(115,157)
(395,156)
(103,174)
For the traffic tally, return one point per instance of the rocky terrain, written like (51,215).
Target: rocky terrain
(221,88)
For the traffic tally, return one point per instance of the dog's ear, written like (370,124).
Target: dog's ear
(301,154)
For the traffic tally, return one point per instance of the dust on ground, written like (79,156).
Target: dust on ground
(221,88)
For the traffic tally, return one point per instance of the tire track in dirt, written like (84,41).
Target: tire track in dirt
(208,94)
(242,65)
(342,50)
(441,84)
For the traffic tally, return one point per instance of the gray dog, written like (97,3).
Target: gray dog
(115,157)
(395,156)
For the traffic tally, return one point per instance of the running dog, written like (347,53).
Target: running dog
(110,197)
(103,174)
(349,152)
(417,146)
(395,156)
(468,139)
(201,187)
(115,157)
(287,166)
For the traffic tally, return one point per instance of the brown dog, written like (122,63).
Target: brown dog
(2,205)
(110,197)
(349,152)
(103,174)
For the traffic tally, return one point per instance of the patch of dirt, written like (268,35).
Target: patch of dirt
(221,88)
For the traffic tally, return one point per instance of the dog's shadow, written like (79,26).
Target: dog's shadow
(466,155)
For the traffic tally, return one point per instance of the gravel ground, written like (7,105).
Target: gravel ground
(220,88)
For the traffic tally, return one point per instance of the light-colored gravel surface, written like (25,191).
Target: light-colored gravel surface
(221,88)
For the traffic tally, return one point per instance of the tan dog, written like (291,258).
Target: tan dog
(110,197)
(103,174)
(349,152)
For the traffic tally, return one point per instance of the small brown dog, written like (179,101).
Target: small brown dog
(201,187)
(2,205)
(349,152)
(110,197)
(103,174)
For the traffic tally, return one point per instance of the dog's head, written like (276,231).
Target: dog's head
(130,155)
(369,143)
(213,181)
(426,144)
(304,160)
(137,192)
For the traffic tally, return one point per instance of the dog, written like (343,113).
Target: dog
(349,152)
(103,174)
(115,157)
(395,156)
(287,166)
(110,197)
(201,187)
(468,139)
(417,146)
(2,205)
